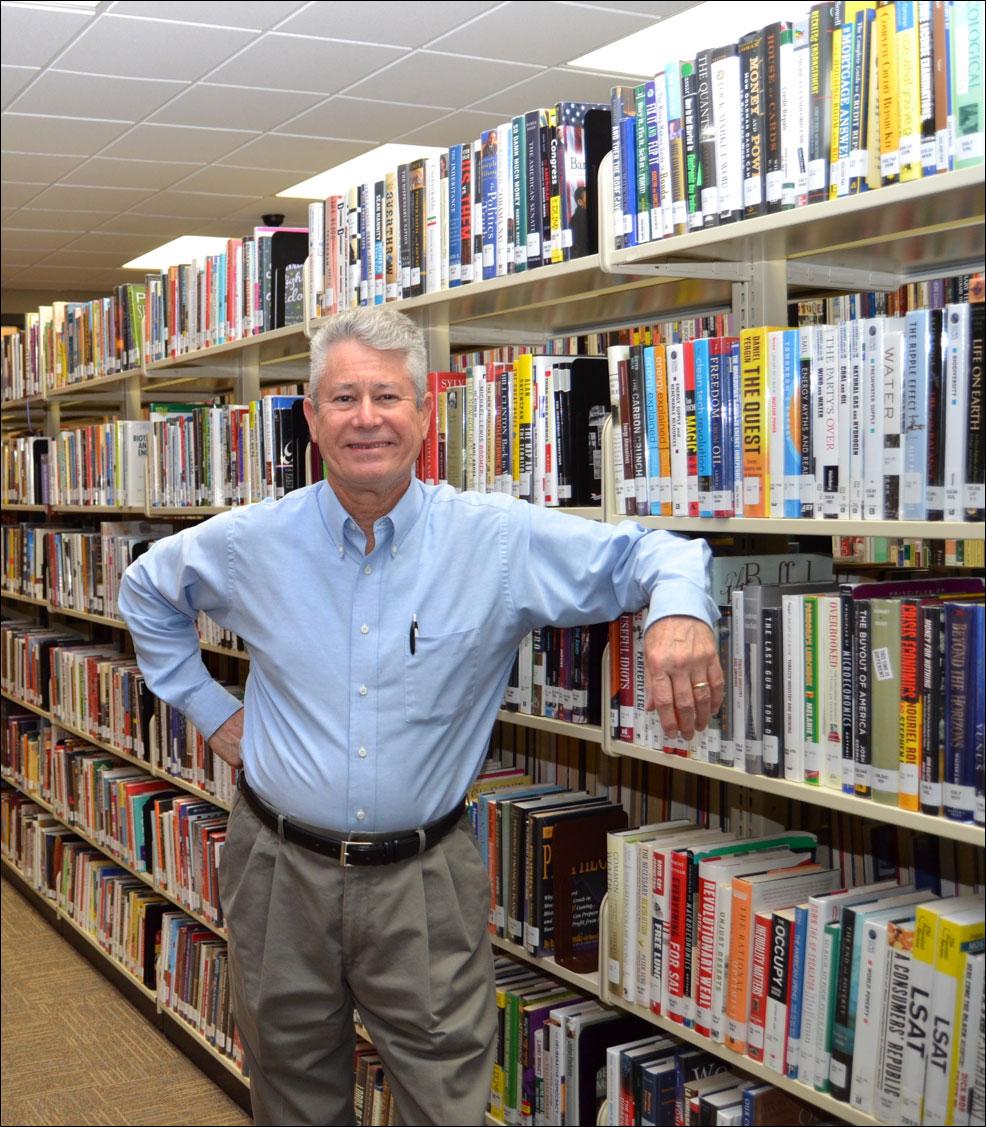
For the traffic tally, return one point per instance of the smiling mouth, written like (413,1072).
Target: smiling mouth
(368,445)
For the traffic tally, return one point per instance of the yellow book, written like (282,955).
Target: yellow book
(886,56)
(908,89)
(836,115)
(755,421)
(523,450)
(959,933)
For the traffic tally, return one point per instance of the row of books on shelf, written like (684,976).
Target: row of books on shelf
(374,1104)
(870,689)
(146,823)
(562,1057)
(914,553)
(760,946)
(872,419)
(557,674)
(99,690)
(853,97)
(183,455)
(180,960)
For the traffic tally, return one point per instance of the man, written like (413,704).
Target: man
(382,617)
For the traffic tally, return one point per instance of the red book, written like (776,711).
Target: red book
(679,952)
(691,428)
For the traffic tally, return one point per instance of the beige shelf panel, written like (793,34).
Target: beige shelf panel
(592,733)
(755,526)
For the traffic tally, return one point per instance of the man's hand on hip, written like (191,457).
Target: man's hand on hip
(684,678)
(225,740)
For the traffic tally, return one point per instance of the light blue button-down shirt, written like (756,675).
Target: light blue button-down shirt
(344,726)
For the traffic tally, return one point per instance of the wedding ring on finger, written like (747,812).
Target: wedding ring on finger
(700,685)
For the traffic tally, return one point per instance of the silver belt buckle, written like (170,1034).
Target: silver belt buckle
(344,853)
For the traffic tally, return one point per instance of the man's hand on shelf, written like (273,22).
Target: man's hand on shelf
(225,740)
(684,678)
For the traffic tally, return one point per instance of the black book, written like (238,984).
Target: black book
(936,417)
(933,710)
(862,716)
(752,102)
(285,249)
(690,128)
(807,453)
(598,142)
(588,409)
(822,21)
(849,681)
(707,138)
(773,147)
(404,235)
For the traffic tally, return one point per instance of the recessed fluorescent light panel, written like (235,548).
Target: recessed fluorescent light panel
(184,249)
(364,169)
(712,24)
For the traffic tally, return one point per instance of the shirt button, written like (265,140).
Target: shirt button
(367,570)
(393,551)
(363,690)
(362,753)
(342,551)
(360,815)
(364,629)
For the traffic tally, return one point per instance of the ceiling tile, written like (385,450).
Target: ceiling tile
(257,15)
(88,258)
(74,197)
(71,136)
(12,82)
(241,181)
(36,240)
(31,167)
(455,129)
(552,33)
(62,93)
(427,78)
(239,106)
(296,154)
(406,25)
(15,258)
(142,48)
(656,9)
(547,88)
(127,245)
(295,212)
(194,205)
(106,172)
(176,143)
(363,119)
(54,274)
(40,219)
(32,36)
(284,62)
(130,226)
(16,195)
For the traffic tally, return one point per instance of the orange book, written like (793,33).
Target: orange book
(755,421)
(762,892)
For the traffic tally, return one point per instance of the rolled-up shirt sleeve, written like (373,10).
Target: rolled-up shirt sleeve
(161,594)
(584,571)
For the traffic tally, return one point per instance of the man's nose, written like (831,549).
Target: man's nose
(367,413)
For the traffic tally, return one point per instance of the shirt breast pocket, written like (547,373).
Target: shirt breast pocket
(440,676)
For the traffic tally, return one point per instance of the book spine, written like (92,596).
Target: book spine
(707,139)
(691,146)
(779,973)
(641,170)
(776,40)
(820,30)
(759,980)
(962,658)
(773,703)
(974,504)
(518,148)
(756,479)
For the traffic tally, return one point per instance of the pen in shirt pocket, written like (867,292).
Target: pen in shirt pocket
(413,635)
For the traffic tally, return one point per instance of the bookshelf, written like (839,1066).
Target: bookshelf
(875,240)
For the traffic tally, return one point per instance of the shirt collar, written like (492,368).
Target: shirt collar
(402,516)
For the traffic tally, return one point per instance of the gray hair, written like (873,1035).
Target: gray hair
(382,329)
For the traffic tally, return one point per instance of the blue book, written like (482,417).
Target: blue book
(455,216)
(653,162)
(793,422)
(737,426)
(797,988)
(653,450)
(628,175)
(657,1093)
(963,668)
(703,426)
(518,139)
(490,190)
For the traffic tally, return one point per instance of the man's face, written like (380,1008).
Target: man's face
(367,426)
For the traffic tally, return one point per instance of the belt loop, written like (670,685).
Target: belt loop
(280,826)
(422,843)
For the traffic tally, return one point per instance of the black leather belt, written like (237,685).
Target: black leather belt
(374,849)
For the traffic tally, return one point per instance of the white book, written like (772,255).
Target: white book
(829,696)
(968,1076)
(871,359)
(831,490)
(914,416)
(663,154)
(504,199)
(433,233)
(135,437)
(367,285)
(729,131)
(879,935)
(622,488)
(852,369)
(956,395)
(645,882)
(677,427)
(775,421)
(793,630)
(892,1021)
(893,438)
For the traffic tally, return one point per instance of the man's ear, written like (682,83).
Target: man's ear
(311,416)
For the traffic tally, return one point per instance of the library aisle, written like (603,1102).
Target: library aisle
(56,1005)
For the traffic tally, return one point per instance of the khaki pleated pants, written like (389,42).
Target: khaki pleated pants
(406,943)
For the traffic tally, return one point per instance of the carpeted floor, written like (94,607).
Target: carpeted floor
(74,1051)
